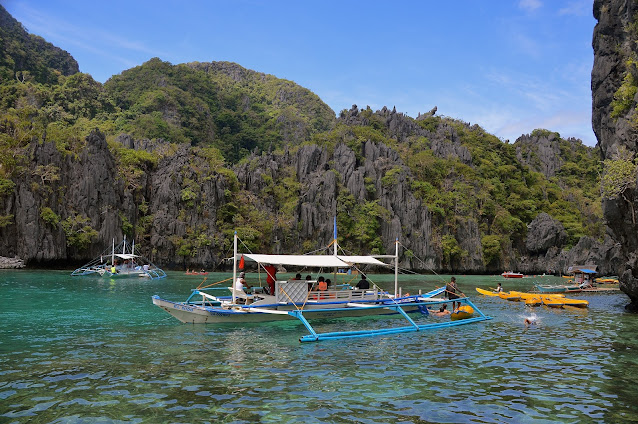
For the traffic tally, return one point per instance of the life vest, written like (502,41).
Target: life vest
(323,286)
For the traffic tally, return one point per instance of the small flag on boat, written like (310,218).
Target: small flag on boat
(241,262)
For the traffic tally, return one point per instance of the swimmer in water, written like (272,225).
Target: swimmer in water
(530,321)
(442,311)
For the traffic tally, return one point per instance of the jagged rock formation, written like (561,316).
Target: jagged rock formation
(544,232)
(540,152)
(11,263)
(614,80)
(181,203)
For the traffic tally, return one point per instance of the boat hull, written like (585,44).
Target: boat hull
(557,289)
(196,314)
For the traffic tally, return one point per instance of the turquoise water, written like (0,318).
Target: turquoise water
(89,350)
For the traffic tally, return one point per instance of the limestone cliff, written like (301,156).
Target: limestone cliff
(614,117)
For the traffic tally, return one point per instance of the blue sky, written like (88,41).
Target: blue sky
(509,66)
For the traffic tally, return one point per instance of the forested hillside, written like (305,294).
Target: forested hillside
(179,156)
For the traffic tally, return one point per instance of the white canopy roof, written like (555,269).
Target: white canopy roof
(125,256)
(368,260)
(318,261)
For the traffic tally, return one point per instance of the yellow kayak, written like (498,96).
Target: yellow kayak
(509,296)
(607,280)
(523,295)
(552,302)
(533,301)
(486,292)
(463,312)
(579,303)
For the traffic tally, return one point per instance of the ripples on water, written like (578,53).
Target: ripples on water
(95,351)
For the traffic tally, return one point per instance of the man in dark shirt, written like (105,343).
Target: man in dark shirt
(363,284)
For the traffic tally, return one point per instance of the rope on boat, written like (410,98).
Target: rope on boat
(433,271)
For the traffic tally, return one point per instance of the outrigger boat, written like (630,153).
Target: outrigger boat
(120,262)
(562,288)
(293,299)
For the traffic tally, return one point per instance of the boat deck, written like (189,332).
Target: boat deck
(600,289)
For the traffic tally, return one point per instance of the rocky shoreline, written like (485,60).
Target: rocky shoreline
(11,263)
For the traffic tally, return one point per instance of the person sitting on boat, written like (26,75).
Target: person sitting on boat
(451,290)
(321,284)
(328,283)
(297,277)
(241,283)
(309,280)
(363,284)
(499,288)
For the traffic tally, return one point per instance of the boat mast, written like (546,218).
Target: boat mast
(124,245)
(335,235)
(113,253)
(396,267)
(234,264)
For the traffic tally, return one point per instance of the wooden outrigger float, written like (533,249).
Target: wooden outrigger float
(293,300)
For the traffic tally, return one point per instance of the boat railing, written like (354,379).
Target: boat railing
(343,295)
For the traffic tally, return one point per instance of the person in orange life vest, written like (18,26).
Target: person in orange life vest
(271,277)
(321,284)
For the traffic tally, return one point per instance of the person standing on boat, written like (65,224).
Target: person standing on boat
(271,272)
(363,284)
(451,291)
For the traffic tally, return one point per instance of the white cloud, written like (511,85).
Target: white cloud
(577,8)
(529,5)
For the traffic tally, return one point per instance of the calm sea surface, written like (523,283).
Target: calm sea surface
(92,350)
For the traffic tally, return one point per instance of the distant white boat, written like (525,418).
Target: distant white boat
(120,262)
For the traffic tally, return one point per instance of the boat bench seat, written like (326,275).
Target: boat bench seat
(240,294)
